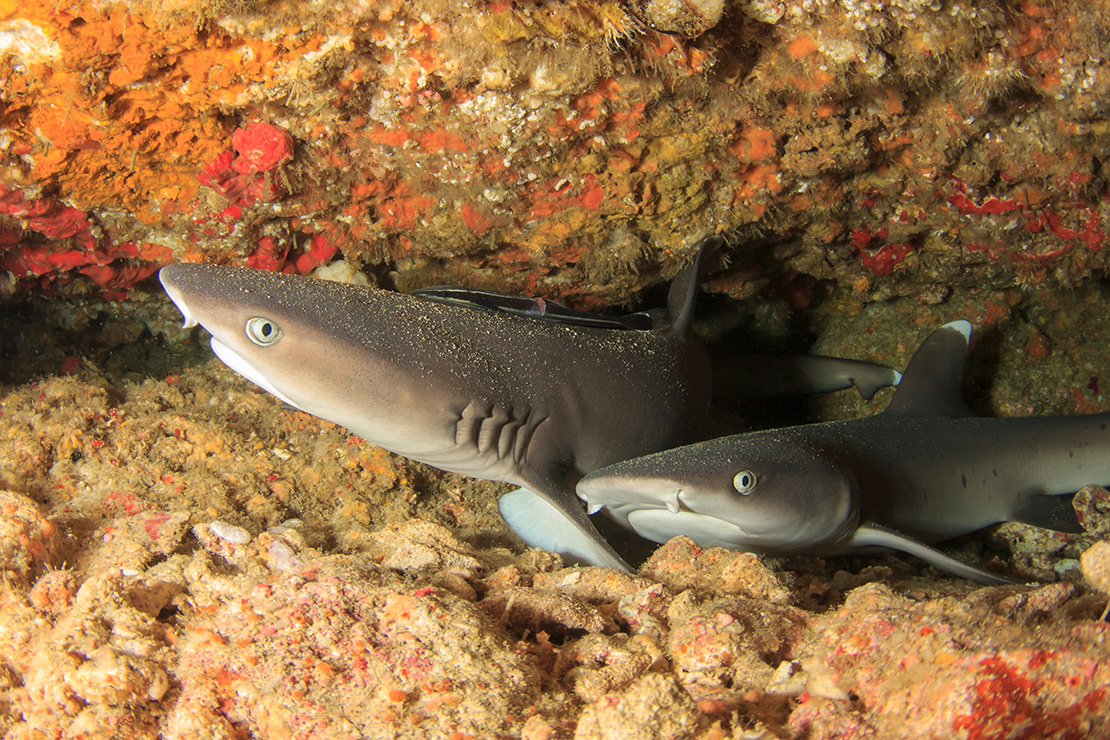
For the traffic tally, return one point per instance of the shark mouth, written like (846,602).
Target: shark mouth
(634,494)
(660,525)
(235,361)
(227,355)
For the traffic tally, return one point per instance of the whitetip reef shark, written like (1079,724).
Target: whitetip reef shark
(496,394)
(530,392)
(922,471)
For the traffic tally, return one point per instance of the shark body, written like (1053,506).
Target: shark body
(922,471)
(486,393)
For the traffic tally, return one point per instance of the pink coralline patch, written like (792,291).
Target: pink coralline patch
(63,223)
(219,173)
(883,260)
(115,281)
(47,217)
(28,261)
(242,174)
(319,251)
(268,255)
(935,675)
(1092,234)
(261,147)
(153,525)
(992,204)
(271,255)
(24,255)
(1037,218)
(1005,708)
(1055,223)
(125,501)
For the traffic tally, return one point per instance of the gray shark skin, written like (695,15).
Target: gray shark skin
(484,393)
(922,471)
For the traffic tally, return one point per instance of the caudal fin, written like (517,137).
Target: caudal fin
(1050,512)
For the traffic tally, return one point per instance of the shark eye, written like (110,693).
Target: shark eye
(744,482)
(262,331)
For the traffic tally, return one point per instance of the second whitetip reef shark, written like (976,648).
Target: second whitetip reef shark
(922,471)
(498,387)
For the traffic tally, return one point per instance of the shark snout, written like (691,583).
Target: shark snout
(166,277)
(658,509)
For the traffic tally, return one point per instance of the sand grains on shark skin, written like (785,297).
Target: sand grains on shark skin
(488,393)
(505,388)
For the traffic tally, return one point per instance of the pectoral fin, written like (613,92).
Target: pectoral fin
(564,529)
(875,535)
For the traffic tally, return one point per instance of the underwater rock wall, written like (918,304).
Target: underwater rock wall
(181,557)
(568,149)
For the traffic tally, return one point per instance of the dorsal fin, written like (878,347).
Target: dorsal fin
(684,287)
(932,384)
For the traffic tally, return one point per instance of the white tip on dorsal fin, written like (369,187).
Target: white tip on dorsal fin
(932,384)
(684,288)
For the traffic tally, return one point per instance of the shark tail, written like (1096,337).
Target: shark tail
(1050,512)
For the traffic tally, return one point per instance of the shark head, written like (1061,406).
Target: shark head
(313,344)
(246,338)
(739,493)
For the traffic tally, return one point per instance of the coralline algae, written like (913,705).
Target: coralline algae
(564,148)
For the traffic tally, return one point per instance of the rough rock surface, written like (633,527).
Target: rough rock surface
(181,557)
(568,149)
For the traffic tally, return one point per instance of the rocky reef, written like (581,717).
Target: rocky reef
(182,557)
(574,149)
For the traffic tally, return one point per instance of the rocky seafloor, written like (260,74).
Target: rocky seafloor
(183,557)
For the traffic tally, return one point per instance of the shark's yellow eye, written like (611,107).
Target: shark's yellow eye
(262,331)
(744,482)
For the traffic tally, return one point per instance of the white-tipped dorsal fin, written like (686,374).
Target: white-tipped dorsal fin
(684,288)
(932,384)
(869,534)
